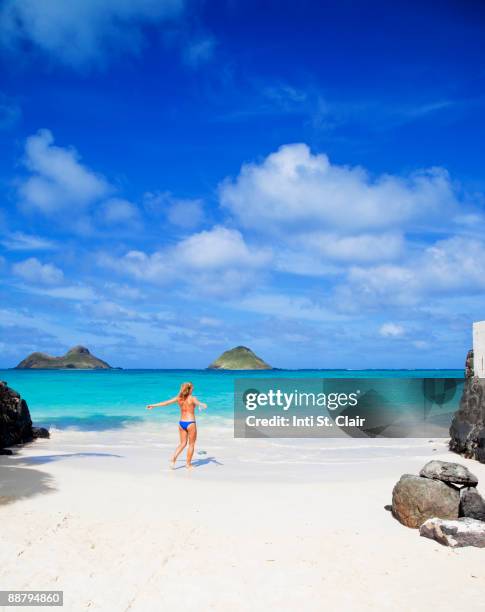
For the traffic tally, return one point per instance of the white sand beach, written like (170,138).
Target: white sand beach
(257,525)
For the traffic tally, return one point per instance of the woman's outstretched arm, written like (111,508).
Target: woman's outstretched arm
(201,405)
(165,403)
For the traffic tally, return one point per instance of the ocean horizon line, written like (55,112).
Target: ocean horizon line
(223,371)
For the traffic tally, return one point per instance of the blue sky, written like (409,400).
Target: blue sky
(178,177)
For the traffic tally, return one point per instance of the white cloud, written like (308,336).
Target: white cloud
(217,249)
(72,292)
(199,51)
(216,261)
(67,335)
(117,211)
(288,307)
(471,220)
(32,270)
(294,188)
(452,266)
(303,262)
(284,95)
(19,241)
(77,293)
(139,265)
(185,213)
(352,248)
(58,181)
(421,344)
(124,291)
(107,309)
(359,231)
(84,32)
(389,283)
(210,322)
(391,330)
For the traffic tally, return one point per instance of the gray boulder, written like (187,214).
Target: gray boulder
(472,504)
(455,533)
(467,430)
(416,499)
(449,472)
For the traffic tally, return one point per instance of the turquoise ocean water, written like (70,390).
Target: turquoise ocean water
(106,399)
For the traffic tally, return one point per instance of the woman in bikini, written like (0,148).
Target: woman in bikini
(187,425)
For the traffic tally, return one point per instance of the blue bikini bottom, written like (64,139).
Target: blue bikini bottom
(184,424)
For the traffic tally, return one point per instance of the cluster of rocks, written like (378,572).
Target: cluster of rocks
(467,431)
(443,503)
(15,422)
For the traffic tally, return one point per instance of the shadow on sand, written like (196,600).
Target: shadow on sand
(201,462)
(40,459)
(19,483)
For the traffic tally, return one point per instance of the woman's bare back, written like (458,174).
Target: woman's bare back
(187,408)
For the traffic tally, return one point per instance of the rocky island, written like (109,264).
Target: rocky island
(77,358)
(239,358)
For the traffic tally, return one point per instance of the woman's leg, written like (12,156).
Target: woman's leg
(192,430)
(183,443)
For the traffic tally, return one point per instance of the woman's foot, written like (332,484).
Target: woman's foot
(189,466)
(172,463)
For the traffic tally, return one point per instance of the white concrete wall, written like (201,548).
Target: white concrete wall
(479,348)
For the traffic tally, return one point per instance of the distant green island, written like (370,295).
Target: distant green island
(77,358)
(239,358)
(80,358)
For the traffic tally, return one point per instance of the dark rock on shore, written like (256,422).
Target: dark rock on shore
(15,421)
(467,429)
(416,499)
(77,358)
(449,472)
(472,504)
(455,533)
(40,432)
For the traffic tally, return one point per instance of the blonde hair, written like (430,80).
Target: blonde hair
(185,390)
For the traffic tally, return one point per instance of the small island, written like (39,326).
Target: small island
(77,358)
(239,358)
